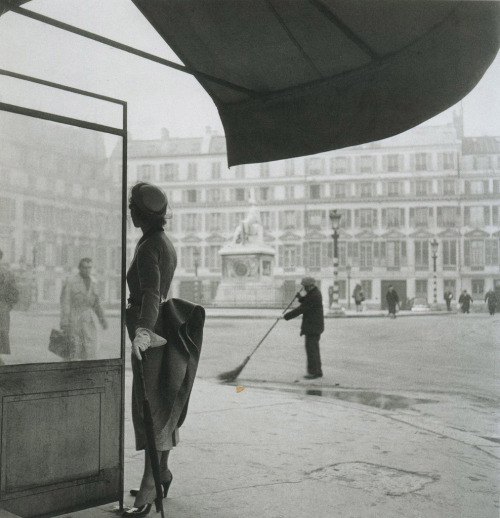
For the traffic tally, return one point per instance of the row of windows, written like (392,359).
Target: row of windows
(391,163)
(394,217)
(340,190)
(51,217)
(477,253)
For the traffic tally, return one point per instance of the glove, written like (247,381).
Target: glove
(142,341)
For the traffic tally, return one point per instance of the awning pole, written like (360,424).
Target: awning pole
(146,55)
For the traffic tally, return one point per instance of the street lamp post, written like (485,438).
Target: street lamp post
(335,307)
(196,258)
(348,269)
(434,248)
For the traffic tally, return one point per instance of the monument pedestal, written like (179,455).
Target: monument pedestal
(247,277)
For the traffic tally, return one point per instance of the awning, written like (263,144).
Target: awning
(298,77)
(322,75)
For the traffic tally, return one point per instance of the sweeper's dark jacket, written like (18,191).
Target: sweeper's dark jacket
(311,309)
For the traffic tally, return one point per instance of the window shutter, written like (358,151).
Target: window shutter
(487,251)
(402,222)
(385,163)
(440,161)
(486,187)
(495,216)
(428,162)
(281,252)
(486,210)
(348,218)
(375,251)
(466,216)
(467,252)
(412,162)
(382,251)
(299,255)
(412,217)
(404,260)
(356,218)
(281,220)
(374,218)
(467,187)
(494,252)
(355,250)
(384,218)
(439,217)
(305,254)
(325,261)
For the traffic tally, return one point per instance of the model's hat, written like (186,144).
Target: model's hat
(308,281)
(149,199)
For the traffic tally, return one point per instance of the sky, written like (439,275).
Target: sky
(157,96)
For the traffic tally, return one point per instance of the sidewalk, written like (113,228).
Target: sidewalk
(267,454)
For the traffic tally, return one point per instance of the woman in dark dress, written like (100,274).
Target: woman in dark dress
(149,278)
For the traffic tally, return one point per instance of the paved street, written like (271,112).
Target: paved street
(445,367)
(404,423)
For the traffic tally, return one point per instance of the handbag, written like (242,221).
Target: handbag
(61,344)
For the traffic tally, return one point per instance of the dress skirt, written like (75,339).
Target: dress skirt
(167,434)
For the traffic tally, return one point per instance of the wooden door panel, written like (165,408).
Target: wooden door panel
(66,421)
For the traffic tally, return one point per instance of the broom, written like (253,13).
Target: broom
(232,375)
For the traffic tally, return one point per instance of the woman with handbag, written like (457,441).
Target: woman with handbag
(149,277)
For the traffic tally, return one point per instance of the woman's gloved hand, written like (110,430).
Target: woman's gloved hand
(142,341)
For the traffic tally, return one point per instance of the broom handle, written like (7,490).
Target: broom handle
(270,329)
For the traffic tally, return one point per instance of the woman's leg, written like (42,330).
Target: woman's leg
(147,491)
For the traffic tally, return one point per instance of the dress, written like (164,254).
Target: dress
(149,277)
(79,300)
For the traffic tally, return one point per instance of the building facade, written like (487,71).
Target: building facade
(57,206)
(395,196)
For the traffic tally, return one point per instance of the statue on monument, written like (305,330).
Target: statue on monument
(250,229)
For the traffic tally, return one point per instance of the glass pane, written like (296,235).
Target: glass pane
(60,234)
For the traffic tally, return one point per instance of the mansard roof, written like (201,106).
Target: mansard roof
(480,145)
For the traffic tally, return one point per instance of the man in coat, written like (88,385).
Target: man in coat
(465,301)
(392,299)
(9,295)
(79,300)
(313,324)
(491,299)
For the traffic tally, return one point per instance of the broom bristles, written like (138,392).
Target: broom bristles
(232,375)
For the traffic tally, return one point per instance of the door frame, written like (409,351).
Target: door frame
(100,373)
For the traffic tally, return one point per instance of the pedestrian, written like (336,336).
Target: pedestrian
(168,372)
(448,296)
(492,300)
(9,295)
(392,299)
(79,302)
(465,300)
(313,324)
(359,297)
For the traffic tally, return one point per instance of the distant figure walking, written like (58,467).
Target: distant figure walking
(313,324)
(448,295)
(358,296)
(392,299)
(465,300)
(9,295)
(79,300)
(492,300)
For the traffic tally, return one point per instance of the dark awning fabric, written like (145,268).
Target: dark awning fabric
(322,75)
(317,75)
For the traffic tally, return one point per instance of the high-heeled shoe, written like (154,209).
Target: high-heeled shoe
(165,485)
(143,510)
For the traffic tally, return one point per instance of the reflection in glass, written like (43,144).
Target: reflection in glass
(60,203)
